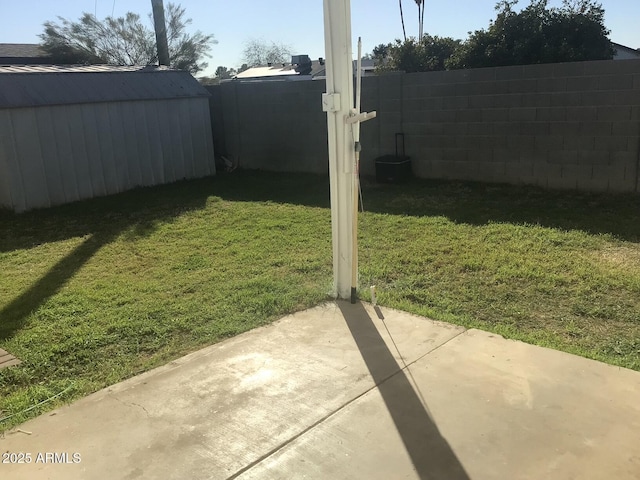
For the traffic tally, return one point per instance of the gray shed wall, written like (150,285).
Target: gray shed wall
(58,154)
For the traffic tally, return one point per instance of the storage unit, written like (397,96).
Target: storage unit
(74,132)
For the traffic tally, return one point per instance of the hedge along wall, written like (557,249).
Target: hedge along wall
(569,125)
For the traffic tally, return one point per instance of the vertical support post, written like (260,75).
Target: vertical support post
(338,103)
(161,32)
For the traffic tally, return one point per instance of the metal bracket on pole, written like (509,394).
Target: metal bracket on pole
(360,117)
(330,102)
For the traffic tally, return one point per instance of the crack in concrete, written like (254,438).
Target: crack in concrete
(131,404)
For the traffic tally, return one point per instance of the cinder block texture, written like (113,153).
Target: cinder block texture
(571,125)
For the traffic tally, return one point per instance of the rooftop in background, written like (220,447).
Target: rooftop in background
(38,85)
(22,54)
(268,71)
(286,71)
(622,52)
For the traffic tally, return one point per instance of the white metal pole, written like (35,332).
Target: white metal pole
(338,103)
(356,178)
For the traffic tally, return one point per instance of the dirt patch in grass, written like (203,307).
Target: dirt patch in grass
(621,256)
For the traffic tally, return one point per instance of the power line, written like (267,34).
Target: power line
(113,7)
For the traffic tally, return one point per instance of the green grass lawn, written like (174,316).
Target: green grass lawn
(98,291)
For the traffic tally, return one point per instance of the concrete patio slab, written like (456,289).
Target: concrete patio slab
(498,409)
(349,391)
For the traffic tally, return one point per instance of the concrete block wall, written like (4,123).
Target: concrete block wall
(568,126)
(274,125)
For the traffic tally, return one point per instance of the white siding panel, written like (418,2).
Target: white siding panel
(184,127)
(166,140)
(106,140)
(132,143)
(147,164)
(10,181)
(60,120)
(121,159)
(49,149)
(79,152)
(191,123)
(29,158)
(57,154)
(178,143)
(200,165)
(153,135)
(93,148)
(5,181)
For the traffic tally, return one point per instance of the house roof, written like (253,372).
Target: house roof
(12,50)
(632,51)
(318,69)
(367,65)
(280,70)
(262,72)
(39,85)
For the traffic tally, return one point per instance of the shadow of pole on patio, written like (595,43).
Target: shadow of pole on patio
(431,455)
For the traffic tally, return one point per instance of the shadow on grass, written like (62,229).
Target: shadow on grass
(461,202)
(430,453)
(136,214)
(13,315)
(139,210)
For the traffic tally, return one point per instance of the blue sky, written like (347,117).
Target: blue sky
(296,23)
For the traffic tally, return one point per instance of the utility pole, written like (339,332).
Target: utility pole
(161,32)
(343,134)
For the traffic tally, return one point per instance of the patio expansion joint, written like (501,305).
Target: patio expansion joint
(437,347)
(293,438)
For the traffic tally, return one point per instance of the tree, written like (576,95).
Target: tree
(258,52)
(429,54)
(207,81)
(224,73)
(126,41)
(538,34)
(379,55)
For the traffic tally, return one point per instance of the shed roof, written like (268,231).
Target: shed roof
(40,85)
